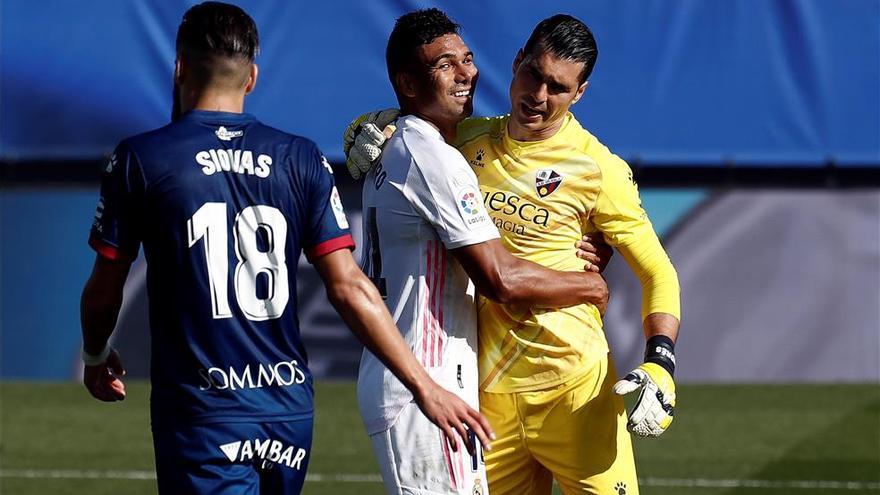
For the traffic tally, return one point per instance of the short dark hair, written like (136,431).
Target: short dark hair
(567,38)
(217,39)
(411,31)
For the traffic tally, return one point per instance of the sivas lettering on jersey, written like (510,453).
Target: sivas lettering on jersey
(238,161)
(267,450)
(280,374)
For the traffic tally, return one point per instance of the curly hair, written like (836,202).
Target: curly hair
(411,31)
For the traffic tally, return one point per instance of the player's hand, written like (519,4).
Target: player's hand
(455,418)
(103,380)
(653,411)
(593,249)
(363,140)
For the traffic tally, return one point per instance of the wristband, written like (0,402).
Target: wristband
(660,350)
(96,360)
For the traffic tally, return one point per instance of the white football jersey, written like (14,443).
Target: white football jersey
(420,201)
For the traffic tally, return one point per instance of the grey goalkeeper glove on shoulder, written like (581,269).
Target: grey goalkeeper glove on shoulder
(364,138)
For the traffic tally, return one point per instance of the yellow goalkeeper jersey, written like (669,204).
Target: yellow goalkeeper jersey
(543,196)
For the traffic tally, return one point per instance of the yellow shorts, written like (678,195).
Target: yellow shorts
(574,432)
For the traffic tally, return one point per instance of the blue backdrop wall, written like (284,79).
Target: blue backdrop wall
(677,81)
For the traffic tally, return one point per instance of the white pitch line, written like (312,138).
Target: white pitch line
(768,484)
(67,474)
(375,478)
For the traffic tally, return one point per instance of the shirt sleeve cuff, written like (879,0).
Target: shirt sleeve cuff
(109,251)
(328,246)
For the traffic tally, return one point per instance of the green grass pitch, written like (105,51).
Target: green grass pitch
(730,439)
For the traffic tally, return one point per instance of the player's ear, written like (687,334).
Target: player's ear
(580,92)
(518,60)
(252,79)
(178,72)
(406,84)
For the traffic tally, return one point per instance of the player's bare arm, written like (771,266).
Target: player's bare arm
(99,309)
(356,299)
(506,279)
(661,324)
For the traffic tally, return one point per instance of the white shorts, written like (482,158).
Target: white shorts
(416,459)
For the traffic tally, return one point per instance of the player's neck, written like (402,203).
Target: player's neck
(448,131)
(520,133)
(215,101)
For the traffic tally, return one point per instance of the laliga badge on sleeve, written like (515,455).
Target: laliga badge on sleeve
(470,207)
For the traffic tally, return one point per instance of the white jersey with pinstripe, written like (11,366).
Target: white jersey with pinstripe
(419,202)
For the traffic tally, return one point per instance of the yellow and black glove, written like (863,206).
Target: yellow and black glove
(655,407)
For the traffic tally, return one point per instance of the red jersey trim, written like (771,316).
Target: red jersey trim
(328,246)
(112,253)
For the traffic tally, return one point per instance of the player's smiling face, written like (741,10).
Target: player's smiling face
(449,79)
(544,87)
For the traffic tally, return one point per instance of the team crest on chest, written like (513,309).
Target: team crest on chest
(547,181)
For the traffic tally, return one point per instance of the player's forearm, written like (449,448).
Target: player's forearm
(99,310)
(661,324)
(530,284)
(506,279)
(362,309)
(101,301)
(659,281)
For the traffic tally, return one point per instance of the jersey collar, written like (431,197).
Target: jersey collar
(569,125)
(207,116)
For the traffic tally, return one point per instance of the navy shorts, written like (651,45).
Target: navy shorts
(233,458)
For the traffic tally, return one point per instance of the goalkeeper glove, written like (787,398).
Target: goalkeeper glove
(655,406)
(363,139)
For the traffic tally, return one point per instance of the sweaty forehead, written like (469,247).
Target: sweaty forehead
(447,45)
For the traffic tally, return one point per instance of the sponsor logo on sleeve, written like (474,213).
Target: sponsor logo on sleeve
(469,203)
(99,211)
(471,208)
(224,134)
(99,214)
(111,164)
(338,210)
(326,164)
(547,181)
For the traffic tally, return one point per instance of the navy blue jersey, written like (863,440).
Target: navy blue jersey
(223,206)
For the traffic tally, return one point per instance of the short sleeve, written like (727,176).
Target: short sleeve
(443,189)
(327,228)
(116,230)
